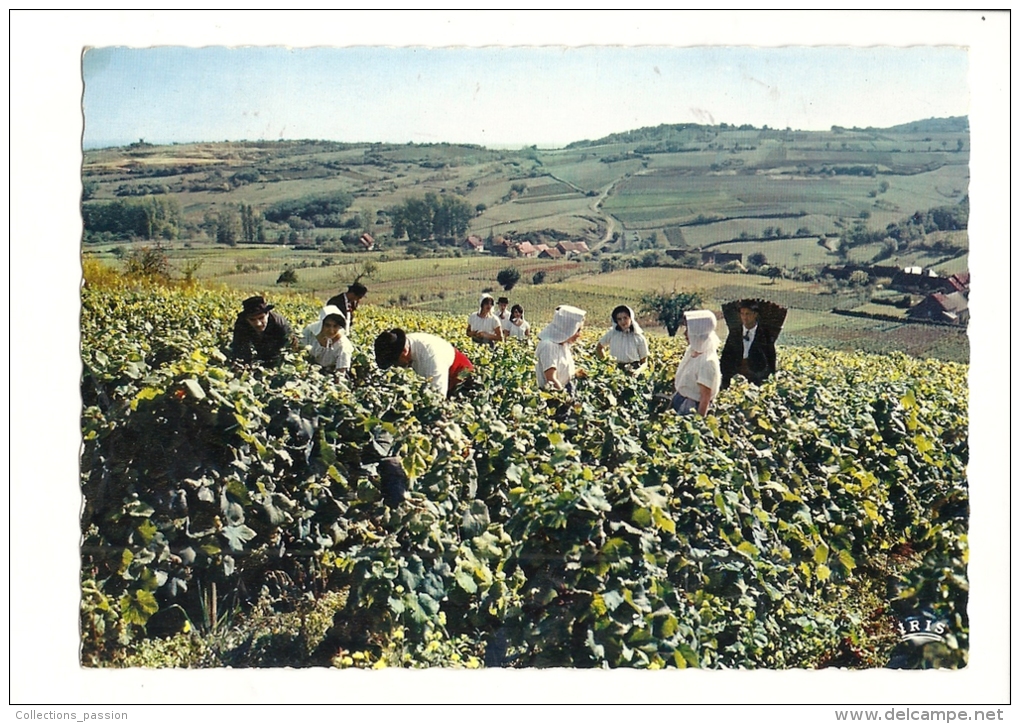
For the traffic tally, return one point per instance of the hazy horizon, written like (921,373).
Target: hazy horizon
(503,97)
(122,143)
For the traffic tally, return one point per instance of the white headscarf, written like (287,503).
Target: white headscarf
(565,323)
(316,327)
(701,331)
(634,326)
(482,299)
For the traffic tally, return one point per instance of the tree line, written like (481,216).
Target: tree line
(148,218)
(431,218)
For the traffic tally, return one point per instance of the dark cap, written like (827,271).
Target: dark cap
(255,305)
(389,346)
(502,300)
(357,289)
(749,304)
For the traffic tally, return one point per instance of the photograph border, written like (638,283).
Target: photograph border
(45,153)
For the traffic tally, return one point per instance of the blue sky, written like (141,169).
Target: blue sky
(509,96)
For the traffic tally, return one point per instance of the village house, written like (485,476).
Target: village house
(501,246)
(568,248)
(939,307)
(960,282)
(527,249)
(473,243)
(550,252)
(874,271)
(917,280)
(720,257)
(367,242)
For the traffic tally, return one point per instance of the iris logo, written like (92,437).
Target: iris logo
(922,629)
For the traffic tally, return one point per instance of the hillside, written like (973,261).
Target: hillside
(776,203)
(238,516)
(729,182)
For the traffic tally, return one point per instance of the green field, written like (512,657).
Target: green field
(453,285)
(701,187)
(746,177)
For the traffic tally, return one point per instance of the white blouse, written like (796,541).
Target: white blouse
(693,371)
(490,324)
(625,346)
(549,354)
(336,354)
(519,331)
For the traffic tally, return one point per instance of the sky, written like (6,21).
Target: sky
(504,96)
(42,360)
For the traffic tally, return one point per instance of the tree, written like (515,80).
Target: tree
(538,277)
(859,278)
(287,277)
(227,229)
(508,278)
(89,189)
(251,225)
(432,217)
(355,273)
(452,217)
(758,258)
(669,307)
(322,210)
(774,272)
(149,262)
(149,218)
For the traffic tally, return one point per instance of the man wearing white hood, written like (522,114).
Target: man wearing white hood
(698,376)
(327,339)
(554,363)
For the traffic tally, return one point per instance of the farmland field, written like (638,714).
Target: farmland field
(788,529)
(240,516)
(453,285)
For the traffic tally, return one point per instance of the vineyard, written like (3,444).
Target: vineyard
(237,516)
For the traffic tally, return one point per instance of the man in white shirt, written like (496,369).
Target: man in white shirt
(432,357)
(503,315)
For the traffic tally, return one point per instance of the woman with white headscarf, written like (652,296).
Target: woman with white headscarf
(327,339)
(698,375)
(483,326)
(625,340)
(554,362)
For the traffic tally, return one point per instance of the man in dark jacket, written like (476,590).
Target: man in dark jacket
(751,352)
(260,334)
(348,302)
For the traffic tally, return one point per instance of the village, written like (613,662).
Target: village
(913,294)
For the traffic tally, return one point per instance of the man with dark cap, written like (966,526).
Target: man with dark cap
(432,357)
(348,302)
(260,334)
(503,315)
(752,352)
